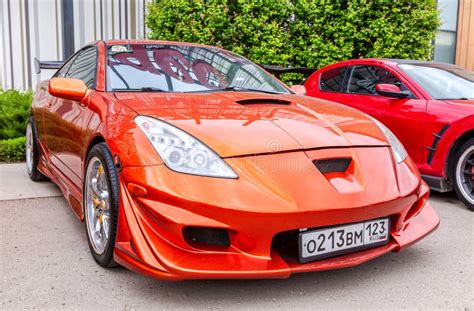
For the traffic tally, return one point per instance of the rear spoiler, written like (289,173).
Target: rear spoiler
(277,71)
(47,65)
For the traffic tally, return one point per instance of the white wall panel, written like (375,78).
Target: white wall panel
(41,21)
(16,58)
(4,70)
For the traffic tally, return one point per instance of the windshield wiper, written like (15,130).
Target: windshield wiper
(244,89)
(143,89)
(459,98)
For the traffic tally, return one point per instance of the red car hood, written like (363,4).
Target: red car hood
(235,123)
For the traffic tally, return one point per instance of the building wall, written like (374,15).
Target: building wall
(34,28)
(465,35)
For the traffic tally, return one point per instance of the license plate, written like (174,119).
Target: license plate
(334,241)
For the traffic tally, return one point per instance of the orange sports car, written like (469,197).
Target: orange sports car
(187,161)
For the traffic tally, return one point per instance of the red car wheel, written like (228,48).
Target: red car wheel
(464,173)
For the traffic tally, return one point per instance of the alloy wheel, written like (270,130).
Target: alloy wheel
(465,174)
(97,205)
(29,148)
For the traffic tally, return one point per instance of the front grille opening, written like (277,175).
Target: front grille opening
(286,244)
(203,236)
(336,165)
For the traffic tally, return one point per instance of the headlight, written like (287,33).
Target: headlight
(399,152)
(181,152)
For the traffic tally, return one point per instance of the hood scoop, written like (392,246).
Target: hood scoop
(263,101)
(335,165)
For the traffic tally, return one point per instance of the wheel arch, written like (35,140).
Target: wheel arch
(460,140)
(97,139)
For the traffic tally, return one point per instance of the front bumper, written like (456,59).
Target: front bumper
(150,242)
(235,266)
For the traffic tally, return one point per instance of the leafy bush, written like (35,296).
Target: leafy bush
(14,113)
(308,33)
(12,150)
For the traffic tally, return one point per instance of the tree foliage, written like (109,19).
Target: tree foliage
(308,33)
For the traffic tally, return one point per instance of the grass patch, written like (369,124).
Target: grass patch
(13,150)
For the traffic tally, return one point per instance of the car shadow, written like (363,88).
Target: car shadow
(447,197)
(210,292)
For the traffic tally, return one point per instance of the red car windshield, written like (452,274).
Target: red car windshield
(442,81)
(182,68)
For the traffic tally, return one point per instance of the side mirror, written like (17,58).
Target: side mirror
(298,89)
(390,90)
(67,88)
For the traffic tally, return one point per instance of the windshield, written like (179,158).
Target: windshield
(181,68)
(442,81)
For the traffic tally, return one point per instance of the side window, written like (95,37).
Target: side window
(63,70)
(363,80)
(84,67)
(331,80)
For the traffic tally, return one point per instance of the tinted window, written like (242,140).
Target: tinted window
(363,80)
(183,68)
(84,67)
(442,81)
(331,80)
(63,70)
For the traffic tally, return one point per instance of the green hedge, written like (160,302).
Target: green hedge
(309,33)
(12,150)
(14,113)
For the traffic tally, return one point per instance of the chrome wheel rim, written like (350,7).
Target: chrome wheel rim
(29,148)
(97,205)
(465,174)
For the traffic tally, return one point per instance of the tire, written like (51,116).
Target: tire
(33,152)
(101,201)
(463,170)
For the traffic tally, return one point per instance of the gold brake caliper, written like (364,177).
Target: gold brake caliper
(100,170)
(97,202)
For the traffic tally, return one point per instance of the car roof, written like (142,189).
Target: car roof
(113,42)
(390,62)
(399,61)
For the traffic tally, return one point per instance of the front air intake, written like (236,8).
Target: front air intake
(206,236)
(335,165)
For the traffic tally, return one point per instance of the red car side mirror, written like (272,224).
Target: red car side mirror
(298,89)
(67,88)
(390,90)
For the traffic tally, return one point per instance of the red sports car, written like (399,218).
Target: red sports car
(188,161)
(428,106)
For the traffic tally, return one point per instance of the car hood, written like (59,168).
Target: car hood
(469,102)
(236,123)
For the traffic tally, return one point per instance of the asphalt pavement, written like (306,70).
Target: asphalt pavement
(46,264)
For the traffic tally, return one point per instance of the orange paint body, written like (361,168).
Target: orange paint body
(271,147)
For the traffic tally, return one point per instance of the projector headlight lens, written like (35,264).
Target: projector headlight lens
(181,152)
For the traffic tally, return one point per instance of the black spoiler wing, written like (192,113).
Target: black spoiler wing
(277,71)
(47,65)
